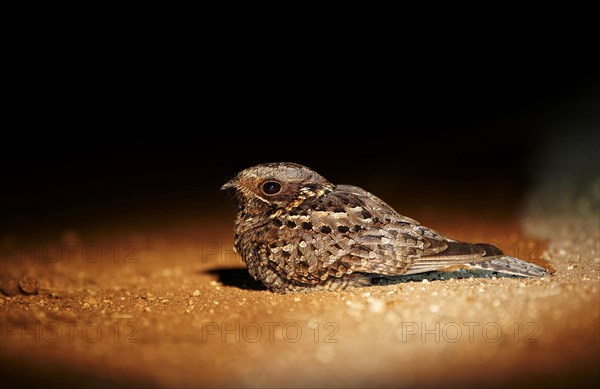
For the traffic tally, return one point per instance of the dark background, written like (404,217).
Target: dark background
(438,132)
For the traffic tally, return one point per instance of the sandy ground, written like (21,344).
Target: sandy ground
(172,306)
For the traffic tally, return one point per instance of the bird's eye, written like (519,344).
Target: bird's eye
(271,187)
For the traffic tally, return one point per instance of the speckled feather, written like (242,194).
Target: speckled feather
(312,234)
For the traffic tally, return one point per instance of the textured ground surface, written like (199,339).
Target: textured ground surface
(172,306)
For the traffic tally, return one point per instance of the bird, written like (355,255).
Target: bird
(298,232)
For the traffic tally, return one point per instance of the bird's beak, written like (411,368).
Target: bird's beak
(229,185)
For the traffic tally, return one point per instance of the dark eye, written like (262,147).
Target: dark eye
(271,187)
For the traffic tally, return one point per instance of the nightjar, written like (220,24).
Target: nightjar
(297,231)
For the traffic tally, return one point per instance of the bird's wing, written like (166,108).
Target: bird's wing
(352,231)
(397,244)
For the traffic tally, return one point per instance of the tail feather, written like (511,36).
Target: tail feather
(510,265)
(476,255)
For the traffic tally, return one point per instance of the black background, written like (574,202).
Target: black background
(467,127)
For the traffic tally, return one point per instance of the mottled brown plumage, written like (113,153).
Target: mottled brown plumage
(296,231)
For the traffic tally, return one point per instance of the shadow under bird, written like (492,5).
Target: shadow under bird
(296,231)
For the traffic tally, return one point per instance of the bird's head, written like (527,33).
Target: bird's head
(281,185)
